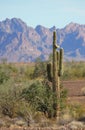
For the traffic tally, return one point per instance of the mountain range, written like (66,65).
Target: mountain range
(22,43)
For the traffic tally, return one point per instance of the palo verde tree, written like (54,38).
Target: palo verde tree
(54,72)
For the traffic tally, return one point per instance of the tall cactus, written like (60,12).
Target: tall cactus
(54,72)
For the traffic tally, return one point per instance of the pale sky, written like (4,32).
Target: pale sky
(48,13)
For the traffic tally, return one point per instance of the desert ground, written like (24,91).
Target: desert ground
(74,89)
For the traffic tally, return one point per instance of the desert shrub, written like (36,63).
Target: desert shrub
(6,71)
(63,97)
(74,70)
(28,72)
(40,97)
(29,113)
(83,91)
(76,110)
(40,69)
(7,98)
(26,111)
(65,118)
(3,77)
(10,97)
(25,72)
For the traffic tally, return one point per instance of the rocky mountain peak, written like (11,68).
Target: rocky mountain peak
(13,25)
(41,30)
(53,28)
(71,27)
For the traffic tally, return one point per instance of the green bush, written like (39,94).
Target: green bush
(40,97)
(10,97)
(6,71)
(3,77)
(77,110)
(74,70)
(63,97)
(83,91)
(40,69)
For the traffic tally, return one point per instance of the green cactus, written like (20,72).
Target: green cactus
(49,71)
(54,72)
(61,62)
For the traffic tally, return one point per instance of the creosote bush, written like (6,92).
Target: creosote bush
(83,91)
(74,70)
(39,69)
(40,97)
(77,110)
(10,101)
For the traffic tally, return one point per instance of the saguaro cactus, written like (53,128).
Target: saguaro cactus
(54,72)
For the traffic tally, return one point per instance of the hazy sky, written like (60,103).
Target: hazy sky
(44,12)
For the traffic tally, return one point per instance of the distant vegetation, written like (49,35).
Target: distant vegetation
(74,70)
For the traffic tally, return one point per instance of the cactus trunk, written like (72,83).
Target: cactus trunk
(56,86)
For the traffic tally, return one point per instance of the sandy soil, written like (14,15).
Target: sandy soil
(74,89)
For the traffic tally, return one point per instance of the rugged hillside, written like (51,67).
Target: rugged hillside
(18,42)
(72,39)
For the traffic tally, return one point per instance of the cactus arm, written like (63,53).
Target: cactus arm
(61,62)
(49,71)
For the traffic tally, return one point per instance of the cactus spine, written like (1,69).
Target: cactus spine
(54,72)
